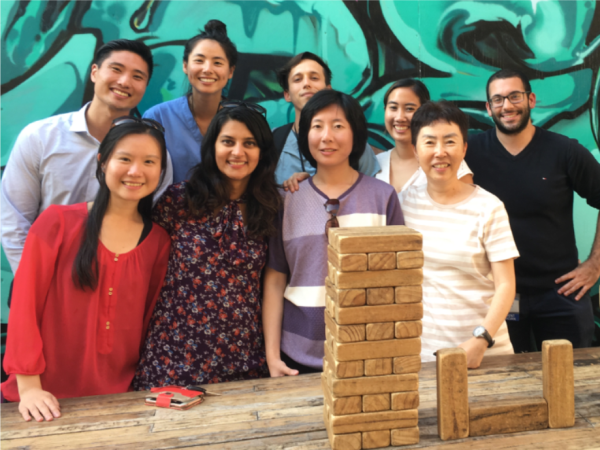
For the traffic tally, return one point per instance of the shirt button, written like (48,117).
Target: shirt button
(107,327)
(110,293)
(110,289)
(116,256)
(107,323)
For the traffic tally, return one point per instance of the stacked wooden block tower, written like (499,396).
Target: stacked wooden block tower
(373,328)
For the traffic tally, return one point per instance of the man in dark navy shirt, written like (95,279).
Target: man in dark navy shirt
(535,173)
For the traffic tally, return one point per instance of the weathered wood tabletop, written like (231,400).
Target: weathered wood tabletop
(287,413)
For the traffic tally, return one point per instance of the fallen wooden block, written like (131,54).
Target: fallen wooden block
(347,387)
(380,296)
(559,382)
(353,351)
(452,394)
(377,331)
(345,333)
(408,294)
(507,416)
(408,329)
(381,313)
(344,298)
(380,278)
(383,420)
(340,406)
(404,400)
(375,439)
(405,436)
(376,367)
(375,402)
(354,262)
(409,260)
(344,369)
(381,261)
(392,238)
(407,364)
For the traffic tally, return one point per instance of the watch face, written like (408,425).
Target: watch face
(478,331)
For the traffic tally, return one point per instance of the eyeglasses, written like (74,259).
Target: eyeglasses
(130,119)
(514,97)
(332,206)
(252,106)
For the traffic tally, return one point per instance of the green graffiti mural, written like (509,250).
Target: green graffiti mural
(453,46)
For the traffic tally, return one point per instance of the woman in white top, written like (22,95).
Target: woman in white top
(469,277)
(399,166)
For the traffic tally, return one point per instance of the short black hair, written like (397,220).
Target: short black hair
(417,86)
(215,30)
(125,45)
(443,110)
(354,115)
(283,74)
(508,73)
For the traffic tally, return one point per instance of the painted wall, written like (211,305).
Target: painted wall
(454,46)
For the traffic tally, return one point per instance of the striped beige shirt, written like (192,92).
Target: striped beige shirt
(459,242)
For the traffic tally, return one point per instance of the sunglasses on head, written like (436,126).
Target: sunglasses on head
(130,119)
(251,106)
(332,206)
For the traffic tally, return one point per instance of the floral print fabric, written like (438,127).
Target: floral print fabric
(206,327)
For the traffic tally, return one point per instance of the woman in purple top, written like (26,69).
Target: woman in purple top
(206,327)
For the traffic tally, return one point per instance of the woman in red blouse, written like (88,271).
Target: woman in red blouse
(88,281)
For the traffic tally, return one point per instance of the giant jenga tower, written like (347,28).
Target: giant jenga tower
(373,328)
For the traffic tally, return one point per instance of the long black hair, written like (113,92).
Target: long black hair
(85,267)
(208,189)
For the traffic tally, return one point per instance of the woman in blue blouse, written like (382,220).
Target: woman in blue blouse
(208,61)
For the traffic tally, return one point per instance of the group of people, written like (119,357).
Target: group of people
(189,246)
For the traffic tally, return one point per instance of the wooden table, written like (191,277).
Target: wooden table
(287,413)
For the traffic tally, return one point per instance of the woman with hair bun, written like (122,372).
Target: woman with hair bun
(209,60)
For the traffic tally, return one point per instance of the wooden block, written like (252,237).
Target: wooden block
(409,294)
(332,273)
(380,296)
(376,439)
(375,239)
(405,400)
(350,441)
(452,393)
(507,416)
(329,305)
(329,339)
(345,297)
(409,260)
(409,329)
(559,382)
(345,333)
(344,369)
(380,313)
(376,402)
(348,387)
(405,436)
(383,420)
(378,331)
(382,261)
(407,364)
(353,262)
(376,349)
(376,367)
(340,406)
(380,278)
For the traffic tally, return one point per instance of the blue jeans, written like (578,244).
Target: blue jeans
(550,315)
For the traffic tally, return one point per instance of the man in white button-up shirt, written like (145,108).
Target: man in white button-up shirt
(54,160)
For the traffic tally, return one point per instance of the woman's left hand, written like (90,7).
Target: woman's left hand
(475,348)
(293,183)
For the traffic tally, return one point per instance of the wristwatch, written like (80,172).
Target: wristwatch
(481,332)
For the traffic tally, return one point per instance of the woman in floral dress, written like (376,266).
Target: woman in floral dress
(206,326)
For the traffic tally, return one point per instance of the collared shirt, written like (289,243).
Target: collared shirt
(182,134)
(53,162)
(290,163)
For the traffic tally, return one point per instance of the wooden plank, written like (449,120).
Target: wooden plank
(345,333)
(376,349)
(378,331)
(404,400)
(344,369)
(353,262)
(375,439)
(409,260)
(345,297)
(507,416)
(558,381)
(383,420)
(408,329)
(376,367)
(407,364)
(405,436)
(340,406)
(408,294)
(347,387)
(382,313)
(381,278)
(452,394)
(380,296)
(381,261)
(375,239)
(329,305)
(332,273)
(375,402)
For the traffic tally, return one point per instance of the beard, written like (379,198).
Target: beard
(516,128)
